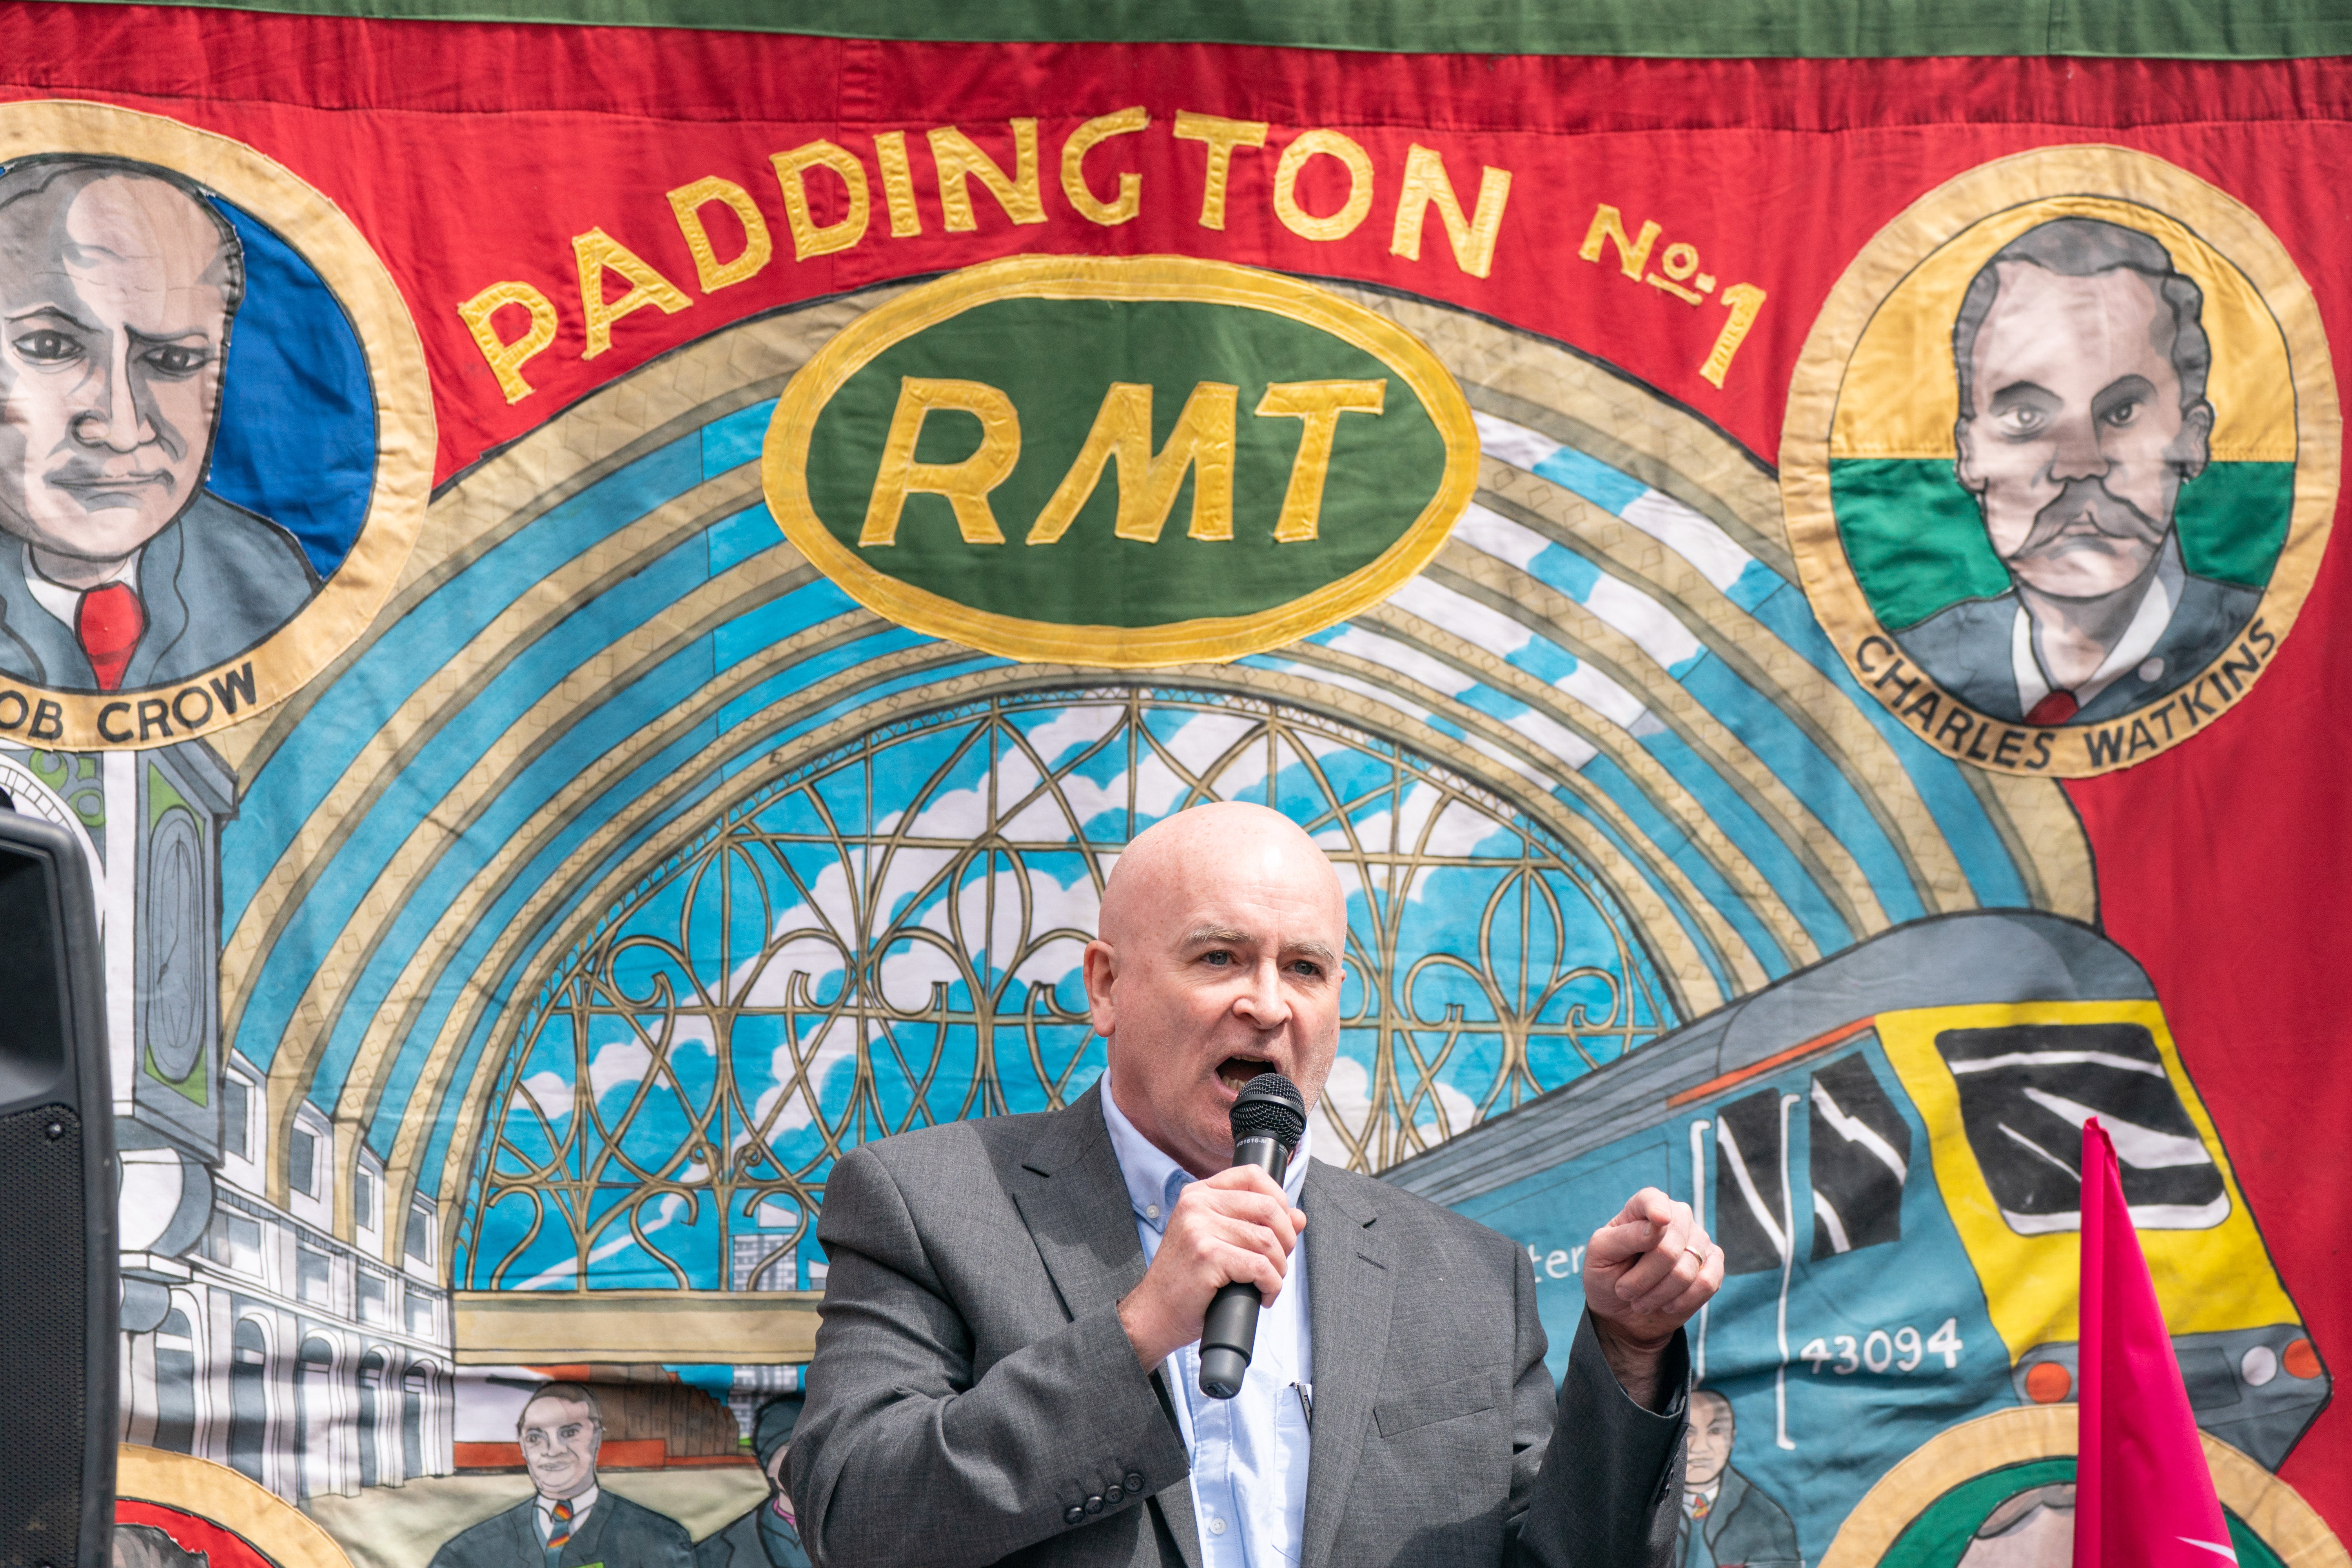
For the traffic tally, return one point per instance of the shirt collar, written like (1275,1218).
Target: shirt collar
(580,1505)
(2146,629)
(65,603)
(1153,1180)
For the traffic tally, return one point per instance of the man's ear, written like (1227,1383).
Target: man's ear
(1099,967)
(2193,448)
(1964,457)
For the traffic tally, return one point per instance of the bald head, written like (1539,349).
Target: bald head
(117,287)
(76,209)
(1207,846)
(1223,935)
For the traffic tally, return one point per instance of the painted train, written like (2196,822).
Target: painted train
(1885,1145)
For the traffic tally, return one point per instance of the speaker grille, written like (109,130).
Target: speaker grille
(43,1276)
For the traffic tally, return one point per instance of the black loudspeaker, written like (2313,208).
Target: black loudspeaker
(58,1405)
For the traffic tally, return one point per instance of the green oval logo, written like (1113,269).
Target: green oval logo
(1124,461)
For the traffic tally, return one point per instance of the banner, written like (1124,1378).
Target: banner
(603,599)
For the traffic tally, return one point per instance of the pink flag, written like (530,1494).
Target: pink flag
(2144,1498)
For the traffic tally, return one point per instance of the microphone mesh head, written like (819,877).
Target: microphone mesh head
(1270,1107)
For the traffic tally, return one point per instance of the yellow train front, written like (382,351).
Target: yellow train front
(1886,1146)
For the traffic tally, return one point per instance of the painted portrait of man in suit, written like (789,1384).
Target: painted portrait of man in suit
(2082,361)
(570,1520)
(119,569)
(1728,1520)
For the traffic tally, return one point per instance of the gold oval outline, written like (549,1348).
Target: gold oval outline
(2094,170)
(2267,1505)
(402,387)
(229,1499)
(783,462)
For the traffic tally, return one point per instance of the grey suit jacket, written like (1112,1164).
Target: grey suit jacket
(216,581)
(1965,649)
(617,1534)
(974,1399)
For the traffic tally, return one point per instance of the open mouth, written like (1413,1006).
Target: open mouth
(1235,1071)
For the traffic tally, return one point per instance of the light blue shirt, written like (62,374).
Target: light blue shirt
(1249,1452)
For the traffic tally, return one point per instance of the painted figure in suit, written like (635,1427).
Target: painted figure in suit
(2082,361)
(568,1521)
(118,284)
(768,1535)
(1728,1520)
(1007,1369)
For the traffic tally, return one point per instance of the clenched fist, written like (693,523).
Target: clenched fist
(1647,1273)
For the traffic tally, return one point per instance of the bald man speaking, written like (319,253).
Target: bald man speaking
(1008,1366)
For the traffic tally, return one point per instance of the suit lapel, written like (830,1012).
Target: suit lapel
(1175,1502)
(1076,1207)
(1073,1198)
(159,591)
(1349,1283)
(39,648)
(526,1531)
(581,1547)
(1728,1498)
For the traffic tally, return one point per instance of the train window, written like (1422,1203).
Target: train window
(1751,1201)
(2027,1088)
(2205,1373)
(1861,1151)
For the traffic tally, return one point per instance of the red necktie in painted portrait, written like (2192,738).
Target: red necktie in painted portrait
(109,623)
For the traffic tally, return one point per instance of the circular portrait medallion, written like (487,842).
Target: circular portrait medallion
(215,430)
(2061,459)
(1999,1492)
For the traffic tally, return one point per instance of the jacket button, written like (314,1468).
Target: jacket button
(1134,1481)
(1074,1514)
(1095,1503)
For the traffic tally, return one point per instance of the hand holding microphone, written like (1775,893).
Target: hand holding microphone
(1230,1237)
(1269,1119)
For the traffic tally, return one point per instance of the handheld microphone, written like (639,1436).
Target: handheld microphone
(1269,1119)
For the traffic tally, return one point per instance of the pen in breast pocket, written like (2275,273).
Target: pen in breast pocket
(1306,1392)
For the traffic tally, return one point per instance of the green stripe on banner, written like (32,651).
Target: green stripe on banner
(1917,545)
(2191,29)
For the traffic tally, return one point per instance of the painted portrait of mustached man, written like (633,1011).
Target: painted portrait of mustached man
(2061,459)
(2082,365)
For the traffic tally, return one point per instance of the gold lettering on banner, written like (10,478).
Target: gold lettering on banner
(960,159)
(1473,238)
(688,201)
(599,253)
(897,184)
(1084,139)
(506,357)
(1677,276)
(1743,300)
(1608,223)
(1330,145)
(1222,136)
(1320,404)
(1202,441)
(965,484)
(809,237)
